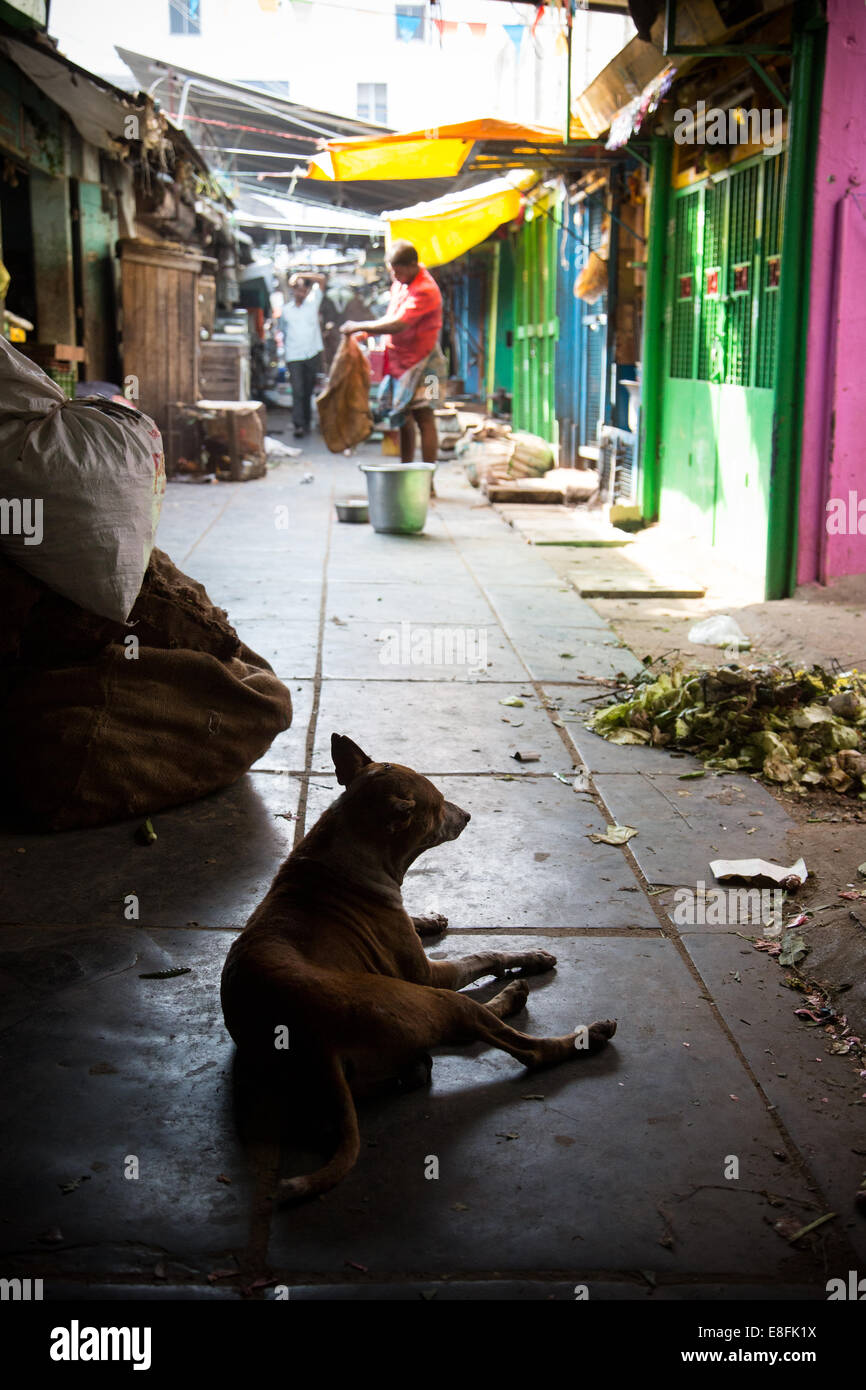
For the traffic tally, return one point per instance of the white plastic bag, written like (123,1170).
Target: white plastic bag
(720,631)
(81,488)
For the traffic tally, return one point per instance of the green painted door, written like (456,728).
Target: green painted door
(535,326)
(720,359)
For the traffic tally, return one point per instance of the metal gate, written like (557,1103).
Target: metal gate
(581,351)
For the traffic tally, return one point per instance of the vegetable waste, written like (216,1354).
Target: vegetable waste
(806,728)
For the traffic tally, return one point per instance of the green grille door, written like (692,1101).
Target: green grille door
(536,327)
(743,227)
(717,406)
(685,285)
(768,271)
(712,311)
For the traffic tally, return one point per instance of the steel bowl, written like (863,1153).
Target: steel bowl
(353,509)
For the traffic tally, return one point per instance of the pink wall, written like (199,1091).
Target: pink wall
(834,421)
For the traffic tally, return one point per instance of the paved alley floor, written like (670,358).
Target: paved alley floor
(675,1165)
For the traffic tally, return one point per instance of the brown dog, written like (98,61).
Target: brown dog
(330,962)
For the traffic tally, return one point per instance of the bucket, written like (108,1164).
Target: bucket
(399,494)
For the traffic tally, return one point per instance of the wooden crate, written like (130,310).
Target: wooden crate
(224,371)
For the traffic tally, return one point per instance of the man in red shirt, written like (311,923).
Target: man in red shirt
(414,364)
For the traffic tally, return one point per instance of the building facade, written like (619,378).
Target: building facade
(394,64)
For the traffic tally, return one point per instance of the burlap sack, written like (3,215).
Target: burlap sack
(344,405)
(90,734)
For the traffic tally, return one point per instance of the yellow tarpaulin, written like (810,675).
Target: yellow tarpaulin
(438,153)
(443,229)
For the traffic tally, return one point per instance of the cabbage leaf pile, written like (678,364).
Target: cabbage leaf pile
(806,728)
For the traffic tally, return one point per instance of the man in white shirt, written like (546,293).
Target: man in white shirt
(302,335)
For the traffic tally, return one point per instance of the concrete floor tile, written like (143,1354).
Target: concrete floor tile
(247,593)
(212,862)
(414,603)
(437,729)
(619,1165)
(288,751)
(547,606)
(479,522)
(524,861)
(389,651)
(682,826)
(371,557)
(507,562)
(566,654)
(818,1095)
(289,646)
(111,1066)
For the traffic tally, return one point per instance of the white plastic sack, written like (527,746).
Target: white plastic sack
(81,488)
(720,631)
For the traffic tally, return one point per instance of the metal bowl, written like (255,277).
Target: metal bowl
(353,509)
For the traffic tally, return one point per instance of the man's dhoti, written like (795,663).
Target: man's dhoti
(420,385)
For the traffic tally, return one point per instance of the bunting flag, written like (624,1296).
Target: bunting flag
(409,26)
(538,13)
(478,30)
(515,33)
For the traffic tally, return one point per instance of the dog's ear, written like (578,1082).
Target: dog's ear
(348,758)
(400,809)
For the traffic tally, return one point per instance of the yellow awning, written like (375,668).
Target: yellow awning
(438,153)
(443,229)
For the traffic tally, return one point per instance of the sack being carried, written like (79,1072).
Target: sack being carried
(81,488)
(344,405)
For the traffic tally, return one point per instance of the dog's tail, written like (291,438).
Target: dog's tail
(348,1146)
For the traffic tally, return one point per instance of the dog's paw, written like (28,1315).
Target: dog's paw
(537,962)
(416,1073)
(434,925)
(510,1000)
(601,1033)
